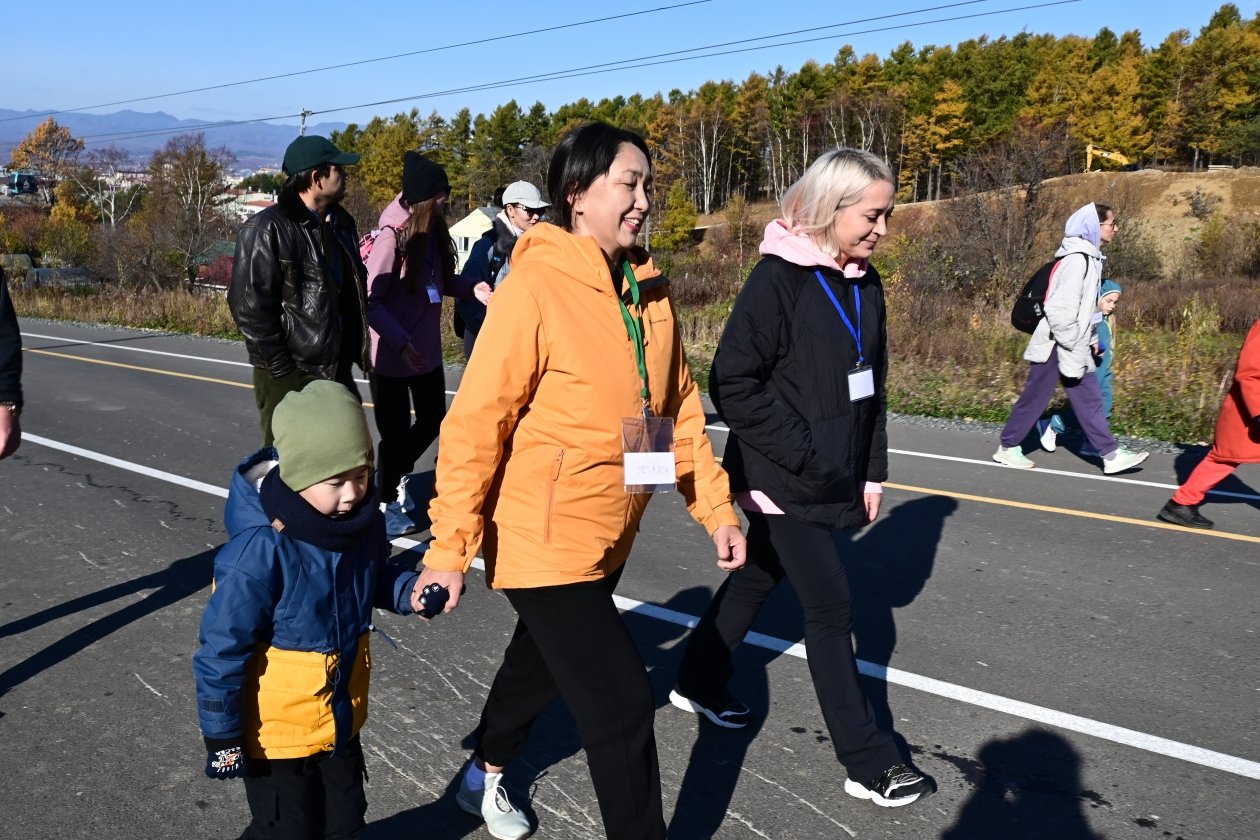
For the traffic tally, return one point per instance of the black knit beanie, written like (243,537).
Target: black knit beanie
(422,178)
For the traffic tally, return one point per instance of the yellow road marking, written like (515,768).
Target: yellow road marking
(1084,514)
(137,367)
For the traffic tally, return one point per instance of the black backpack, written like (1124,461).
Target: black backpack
(1029,306)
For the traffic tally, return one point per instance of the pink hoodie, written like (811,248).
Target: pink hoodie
(798,249)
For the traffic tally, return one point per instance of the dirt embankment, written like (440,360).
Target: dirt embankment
(1168,206)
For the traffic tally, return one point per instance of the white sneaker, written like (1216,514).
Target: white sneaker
(1049,437)
(491,803)
(1013,456)
(1121,460)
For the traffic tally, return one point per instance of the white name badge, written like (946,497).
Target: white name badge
(434,295)
(861,383)
(1097,318)
(650,468)
(647,449)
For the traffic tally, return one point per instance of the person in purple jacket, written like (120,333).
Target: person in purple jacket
(410,268)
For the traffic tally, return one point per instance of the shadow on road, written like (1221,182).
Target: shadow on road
(440,819)
(1189,458)
(123,340)
(174,583)
(1028,787)
(888,565)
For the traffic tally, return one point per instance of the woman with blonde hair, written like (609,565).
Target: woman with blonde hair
(410,268)
(799,378)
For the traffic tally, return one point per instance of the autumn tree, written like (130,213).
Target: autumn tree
(50,151)
(678,220)
(181,217)
(101,185)
(1110,110)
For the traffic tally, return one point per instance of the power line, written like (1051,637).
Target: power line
(625,64)
(477,42)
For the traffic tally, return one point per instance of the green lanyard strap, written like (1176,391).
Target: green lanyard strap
(634,329)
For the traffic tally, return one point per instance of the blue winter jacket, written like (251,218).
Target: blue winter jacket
(284,658)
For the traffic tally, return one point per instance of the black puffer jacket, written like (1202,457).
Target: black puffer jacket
(10,348)
(285,297)
(780,381)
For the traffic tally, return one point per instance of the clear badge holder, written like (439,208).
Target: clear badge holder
(647,445)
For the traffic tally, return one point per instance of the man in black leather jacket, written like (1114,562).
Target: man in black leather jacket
(298,291)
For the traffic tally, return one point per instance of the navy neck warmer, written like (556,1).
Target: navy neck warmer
(303,522)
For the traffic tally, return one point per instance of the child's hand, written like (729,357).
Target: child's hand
(453,581)
(224,759)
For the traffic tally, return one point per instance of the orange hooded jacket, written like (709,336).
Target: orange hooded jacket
(530,465)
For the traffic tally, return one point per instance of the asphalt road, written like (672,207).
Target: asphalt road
(1062,664)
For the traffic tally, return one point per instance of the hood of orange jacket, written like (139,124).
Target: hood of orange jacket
(530,467)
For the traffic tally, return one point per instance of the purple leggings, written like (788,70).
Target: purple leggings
(1083,394)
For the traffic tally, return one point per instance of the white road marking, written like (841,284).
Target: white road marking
(107,345)
(713,427)
(962,694)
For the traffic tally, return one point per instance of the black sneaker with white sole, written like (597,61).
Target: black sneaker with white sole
(726,711)
(898,785)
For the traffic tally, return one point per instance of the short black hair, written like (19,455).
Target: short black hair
(583,155)
(497,201)
(300,182)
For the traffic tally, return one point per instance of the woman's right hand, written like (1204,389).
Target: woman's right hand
(452,581)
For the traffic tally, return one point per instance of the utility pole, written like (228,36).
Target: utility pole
(305,114)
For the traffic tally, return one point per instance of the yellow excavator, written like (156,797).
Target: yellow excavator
(1092,151)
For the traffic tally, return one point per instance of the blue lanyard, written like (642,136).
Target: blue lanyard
(857,307)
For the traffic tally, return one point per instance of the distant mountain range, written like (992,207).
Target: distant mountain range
(254,144)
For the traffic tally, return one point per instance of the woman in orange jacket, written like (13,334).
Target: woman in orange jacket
(578,400)
(1237,440)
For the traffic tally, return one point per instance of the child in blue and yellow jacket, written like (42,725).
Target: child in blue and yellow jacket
(282,670)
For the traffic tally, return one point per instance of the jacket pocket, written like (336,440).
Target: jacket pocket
(549,514)
(827,475)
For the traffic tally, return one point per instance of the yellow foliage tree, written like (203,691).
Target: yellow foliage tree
(50,151)
(1110,113)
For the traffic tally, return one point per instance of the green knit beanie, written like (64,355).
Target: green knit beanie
(320,431)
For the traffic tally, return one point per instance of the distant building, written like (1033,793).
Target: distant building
(241,205)
(468,230)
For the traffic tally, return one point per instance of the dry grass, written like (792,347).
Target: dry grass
(171,310)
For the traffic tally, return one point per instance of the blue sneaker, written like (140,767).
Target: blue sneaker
(398,523)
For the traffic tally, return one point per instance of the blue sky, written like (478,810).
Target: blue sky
(95,52)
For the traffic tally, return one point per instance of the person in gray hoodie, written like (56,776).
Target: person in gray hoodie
(1060,347)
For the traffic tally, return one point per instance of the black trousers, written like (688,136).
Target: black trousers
(319,797)
(402,441)
(780,546)
(268,392)
(570,642)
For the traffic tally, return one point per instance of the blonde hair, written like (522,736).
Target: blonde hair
(834,181)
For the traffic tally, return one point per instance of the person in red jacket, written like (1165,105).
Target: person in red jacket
(1237,440)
